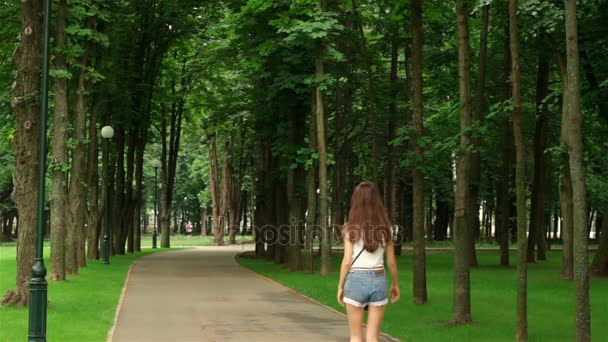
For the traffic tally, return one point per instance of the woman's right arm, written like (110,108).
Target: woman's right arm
(346,262)
(392,267)
(344,268)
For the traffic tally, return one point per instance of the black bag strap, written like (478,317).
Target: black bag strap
(357,257)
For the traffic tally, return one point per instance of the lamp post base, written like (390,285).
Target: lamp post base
(38,303)
(106,252)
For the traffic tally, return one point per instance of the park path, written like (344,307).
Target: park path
(202,294)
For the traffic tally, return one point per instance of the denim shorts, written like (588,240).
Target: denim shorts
(364,288)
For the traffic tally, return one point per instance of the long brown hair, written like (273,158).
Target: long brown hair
(367,218)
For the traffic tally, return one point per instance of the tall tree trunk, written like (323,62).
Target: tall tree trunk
(165,216)
(539,187)
(204,221)
(293,200)
(77,193)
(311,184)
(343,108)
(169,158)
(239,218)
(371,92)
(565,187)
(404,233)
(71,243)
(129,199)
(390,174)
(476,139)
(261,191)
(237,192)
(139,188)
(245,210)
(144,76)
(280,220)
(165,208)
(169,155)
(93,216)
(577,172)
(27,58)
(240,195)
(462,281)
(226,190)
(119,193)
(419,263)
(520,180)
(60,153)
(77,189)
(503,197)
(218,231)
(321,141)
(235,209)
(251,212)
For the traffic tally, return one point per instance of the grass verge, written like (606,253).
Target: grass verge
(80,309)
(493,297)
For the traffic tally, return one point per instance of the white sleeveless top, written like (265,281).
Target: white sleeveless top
(367,260)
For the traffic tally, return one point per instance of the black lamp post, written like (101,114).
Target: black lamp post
(38,283)
(107,133)
(156,164)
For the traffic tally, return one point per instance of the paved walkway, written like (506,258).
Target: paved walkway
(203,295)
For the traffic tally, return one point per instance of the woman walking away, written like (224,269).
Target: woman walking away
(367,237)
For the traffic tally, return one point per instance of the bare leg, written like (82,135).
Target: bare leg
(355,322)
(374,320)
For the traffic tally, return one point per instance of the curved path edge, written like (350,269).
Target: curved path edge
(122,297)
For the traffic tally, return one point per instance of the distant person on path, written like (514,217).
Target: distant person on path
(363,285)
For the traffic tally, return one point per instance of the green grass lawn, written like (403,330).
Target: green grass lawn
(493,296)
(80,309)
